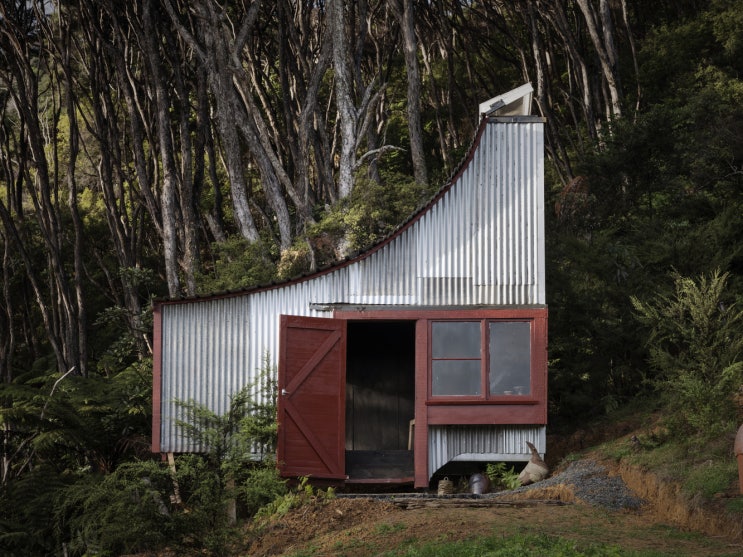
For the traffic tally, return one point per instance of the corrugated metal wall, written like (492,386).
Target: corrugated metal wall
(205,351)
(480,244)
(490,443)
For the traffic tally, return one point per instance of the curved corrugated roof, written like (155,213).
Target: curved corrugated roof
(361,254)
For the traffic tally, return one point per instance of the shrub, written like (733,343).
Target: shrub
(501,477)
(134,508)
(303,494)
(122,512)
(370,213)
(238,263)
(711,477)
(261,485)
(695,345)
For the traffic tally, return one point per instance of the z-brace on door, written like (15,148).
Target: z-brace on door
(312,397)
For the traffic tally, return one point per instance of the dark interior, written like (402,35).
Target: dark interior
(380,395)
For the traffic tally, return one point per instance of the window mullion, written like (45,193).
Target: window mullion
(484,360)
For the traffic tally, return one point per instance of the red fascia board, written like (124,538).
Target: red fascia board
(156,378)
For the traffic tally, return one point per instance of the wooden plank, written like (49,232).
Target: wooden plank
(311,404)
(420,433)
(368,465)
(174,477)
(157,376)
(448,502)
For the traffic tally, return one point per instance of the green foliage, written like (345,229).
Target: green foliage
(726,20)
(228,470)
(371,212)
(662,190)
(122,330)
(374,210)
(236,264)
(133,508)
(701,464)
(596,358)
(27,502)
(303,494)
(249,424)
(260,486)
(696,345)
(734,505)
(387,528)
(64,432)
(205,490)
(73,422)
(122,512)
(711,477)
(501,477)
(513,546)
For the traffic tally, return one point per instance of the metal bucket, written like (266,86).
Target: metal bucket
(479,484)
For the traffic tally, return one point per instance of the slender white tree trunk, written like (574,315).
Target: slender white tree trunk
(403,10)
(344,94)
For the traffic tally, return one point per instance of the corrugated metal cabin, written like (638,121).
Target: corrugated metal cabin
(425,354)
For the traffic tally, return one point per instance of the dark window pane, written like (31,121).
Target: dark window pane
(455,377)
(510,358)
(455,339)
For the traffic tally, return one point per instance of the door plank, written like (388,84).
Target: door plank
(312,397)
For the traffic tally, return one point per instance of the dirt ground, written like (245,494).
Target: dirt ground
(364,526)
(668,523)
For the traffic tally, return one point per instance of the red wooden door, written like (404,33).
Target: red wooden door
(312,397)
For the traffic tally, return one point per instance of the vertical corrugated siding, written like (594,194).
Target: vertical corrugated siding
(213,348)
(489,442)
(203,346)
(293,299)
(479,244)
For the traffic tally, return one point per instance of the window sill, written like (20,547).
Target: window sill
(500,400)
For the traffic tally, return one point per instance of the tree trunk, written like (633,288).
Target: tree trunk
(221,85)
(108,74)
(403,10)
(267,164)
(633,49)
(204,151)
(559,156)
(580,76)
(344,94)
(77,223)
(170,221)
(17,45)
(8,342)
(188,166)
(603,42)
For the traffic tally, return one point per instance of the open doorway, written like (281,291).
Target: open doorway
(380,400)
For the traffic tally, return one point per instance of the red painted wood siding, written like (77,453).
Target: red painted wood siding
(463,411)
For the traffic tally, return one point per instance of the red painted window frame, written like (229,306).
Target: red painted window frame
(485,397)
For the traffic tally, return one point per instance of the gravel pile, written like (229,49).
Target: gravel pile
(592,484)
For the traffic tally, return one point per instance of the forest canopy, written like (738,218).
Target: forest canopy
(168,148)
